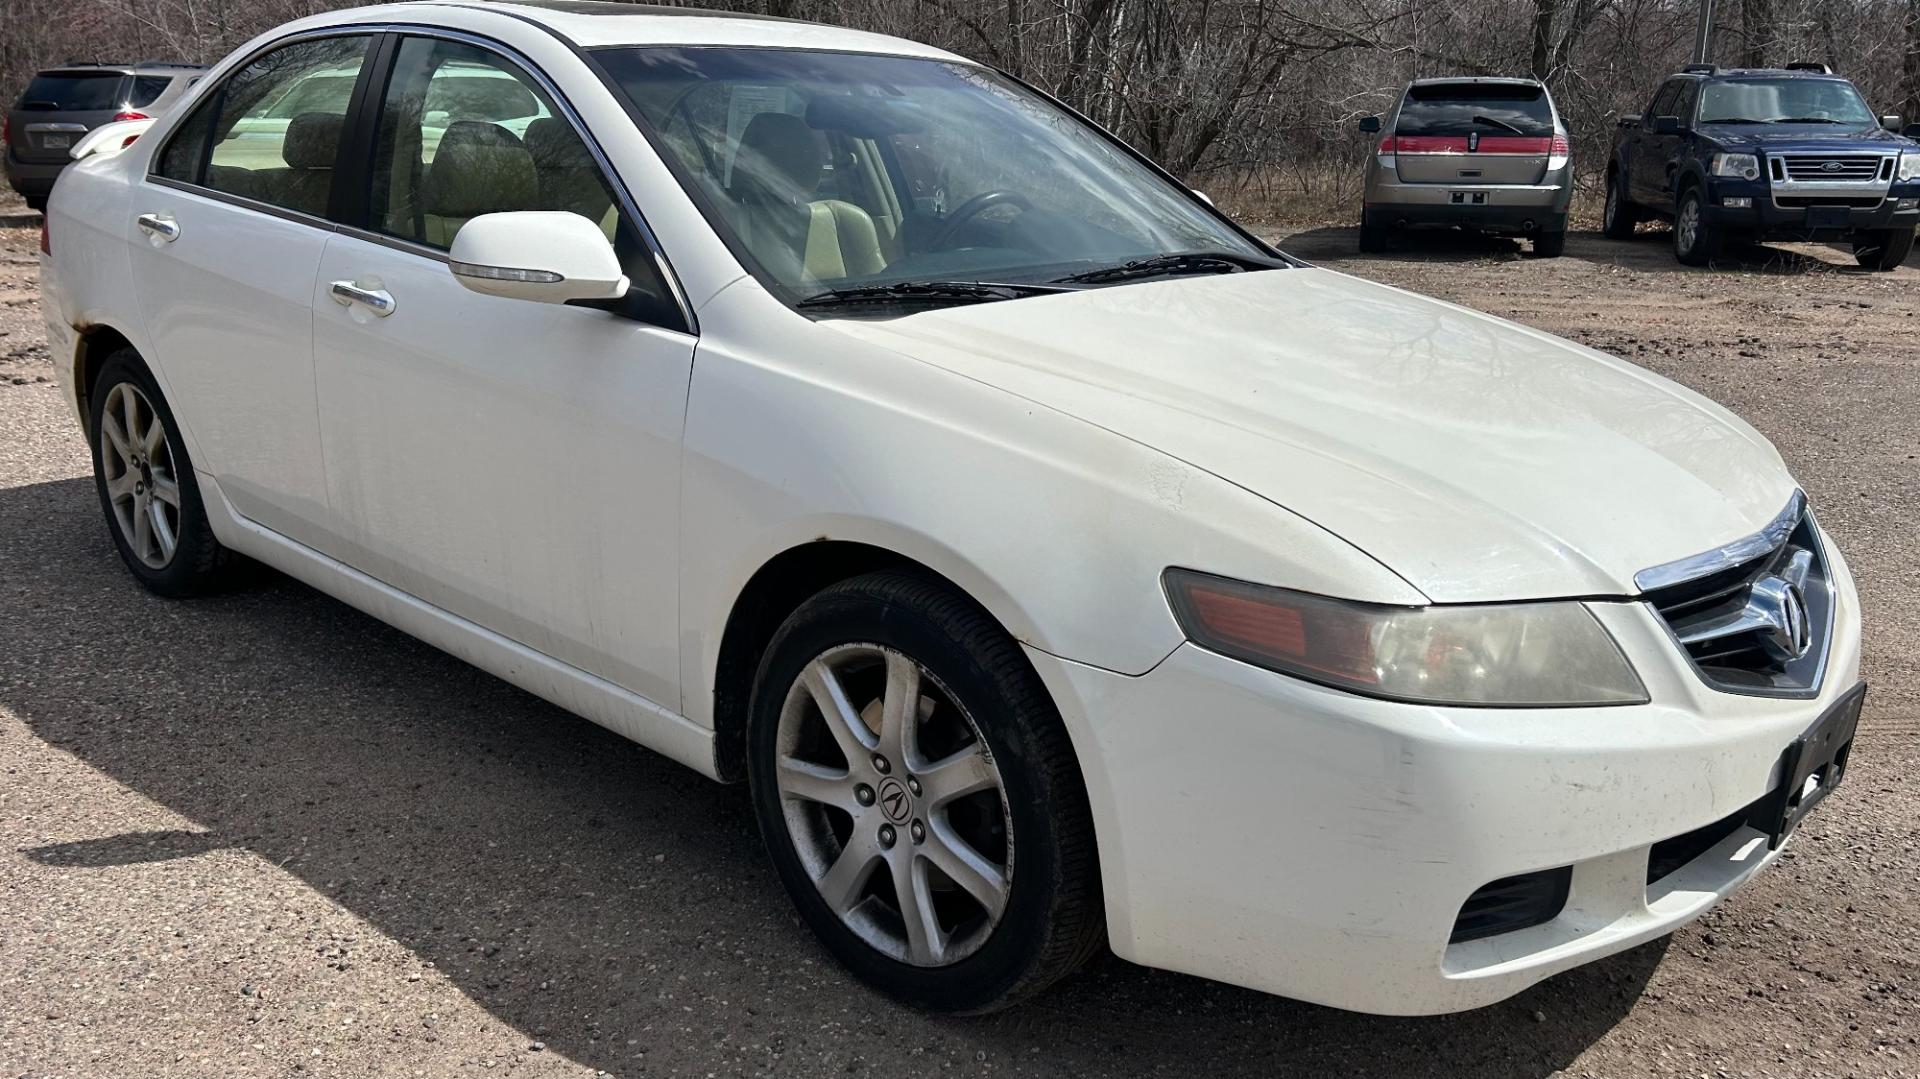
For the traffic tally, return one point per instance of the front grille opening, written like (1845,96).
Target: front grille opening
(1513,903)
(1862,203)
(1670,855)
(1734,639)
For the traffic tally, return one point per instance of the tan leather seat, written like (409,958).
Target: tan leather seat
(308,148)
(776,171)
(478,168)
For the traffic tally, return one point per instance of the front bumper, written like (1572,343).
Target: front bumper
(1766,218)
(1263,831)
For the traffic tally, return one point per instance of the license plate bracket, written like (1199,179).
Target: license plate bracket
(55,142)
(1829,217)
(1469,198)
(1810,769)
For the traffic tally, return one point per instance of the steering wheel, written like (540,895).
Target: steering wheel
(972,208)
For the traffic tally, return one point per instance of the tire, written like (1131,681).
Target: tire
(1882,249)
(1373,234)
(1696,240)
(194,562)
(1620,215)
(1550,245)
(36,203)
(1032,829)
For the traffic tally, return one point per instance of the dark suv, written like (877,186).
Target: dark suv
(63,103)
(1764,154)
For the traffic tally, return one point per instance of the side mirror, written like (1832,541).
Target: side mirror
(1370,124)
(1891,123)
(1666,125)
(545,255)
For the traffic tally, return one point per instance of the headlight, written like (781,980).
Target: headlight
(1538,654)
(1910,164)
(1744,166)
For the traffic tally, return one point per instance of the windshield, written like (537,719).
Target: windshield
(1813,101)
(1464,108)
(831,170)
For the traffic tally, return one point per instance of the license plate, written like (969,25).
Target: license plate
(1829,217)
(1811,768)
(55,142)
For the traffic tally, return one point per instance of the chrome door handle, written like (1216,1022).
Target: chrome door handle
(159,226)
(377,300)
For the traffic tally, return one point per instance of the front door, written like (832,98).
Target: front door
(227,232)
(514,463)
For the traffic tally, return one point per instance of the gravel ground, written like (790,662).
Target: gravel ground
(262,835)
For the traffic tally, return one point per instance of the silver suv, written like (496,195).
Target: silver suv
(63,103)
(1485,154)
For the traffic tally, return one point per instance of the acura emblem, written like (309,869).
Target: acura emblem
(1781,608)
(894,800)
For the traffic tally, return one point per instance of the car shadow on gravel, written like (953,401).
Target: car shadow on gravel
(1650,251)
(588,893)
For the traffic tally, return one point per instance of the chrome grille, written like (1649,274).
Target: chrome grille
(1754,616)
(1843,168)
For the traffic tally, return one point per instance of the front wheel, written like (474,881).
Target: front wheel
(1696,240)
(918,796)
(1551,244)
(1882,249)
(1620,216)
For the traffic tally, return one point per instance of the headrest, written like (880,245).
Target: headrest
(312,139)
(554,144)
(479,168)
(781,155)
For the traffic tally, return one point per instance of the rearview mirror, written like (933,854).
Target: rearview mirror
(1370,124)
(547,256)
(1666,125)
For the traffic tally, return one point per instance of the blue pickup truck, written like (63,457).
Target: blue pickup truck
(1765,154)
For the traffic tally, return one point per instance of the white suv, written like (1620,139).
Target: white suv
(1061,565)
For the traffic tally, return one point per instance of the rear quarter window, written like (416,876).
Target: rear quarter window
(147,89)
(74,92)
(1463,110)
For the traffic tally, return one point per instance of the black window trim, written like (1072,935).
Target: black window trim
(347,202)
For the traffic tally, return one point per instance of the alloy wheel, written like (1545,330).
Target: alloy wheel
(137,465)
(1687,224)
(894,805)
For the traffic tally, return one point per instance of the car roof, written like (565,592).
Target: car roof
(592,24)
(1474,80)
(142,67)
(1758,72)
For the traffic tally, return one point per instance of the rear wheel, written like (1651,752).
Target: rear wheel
(36,203)
(1551,244)
(917,794)
(1620,215)
(1373,233)
(1882,249)
(1696,240)
(147,486)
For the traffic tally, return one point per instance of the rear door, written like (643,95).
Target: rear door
(226,235)
(60,106)
(1647,173)
(1474,133)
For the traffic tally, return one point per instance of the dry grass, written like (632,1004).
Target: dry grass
(1313,196)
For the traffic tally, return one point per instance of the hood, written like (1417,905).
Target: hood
(1478,459)
(1807,138)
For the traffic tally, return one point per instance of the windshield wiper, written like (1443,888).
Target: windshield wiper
(925,292)
(1803,120)
(1497,123)
(1735,120)
(1198,262)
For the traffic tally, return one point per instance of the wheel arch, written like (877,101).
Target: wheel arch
(773,592)
(92,344)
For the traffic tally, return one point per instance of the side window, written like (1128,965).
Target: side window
(147,89)
(1663,101)
(464,132)
(272,130)
(1683,104)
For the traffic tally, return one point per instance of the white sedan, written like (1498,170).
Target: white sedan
(1061,565)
